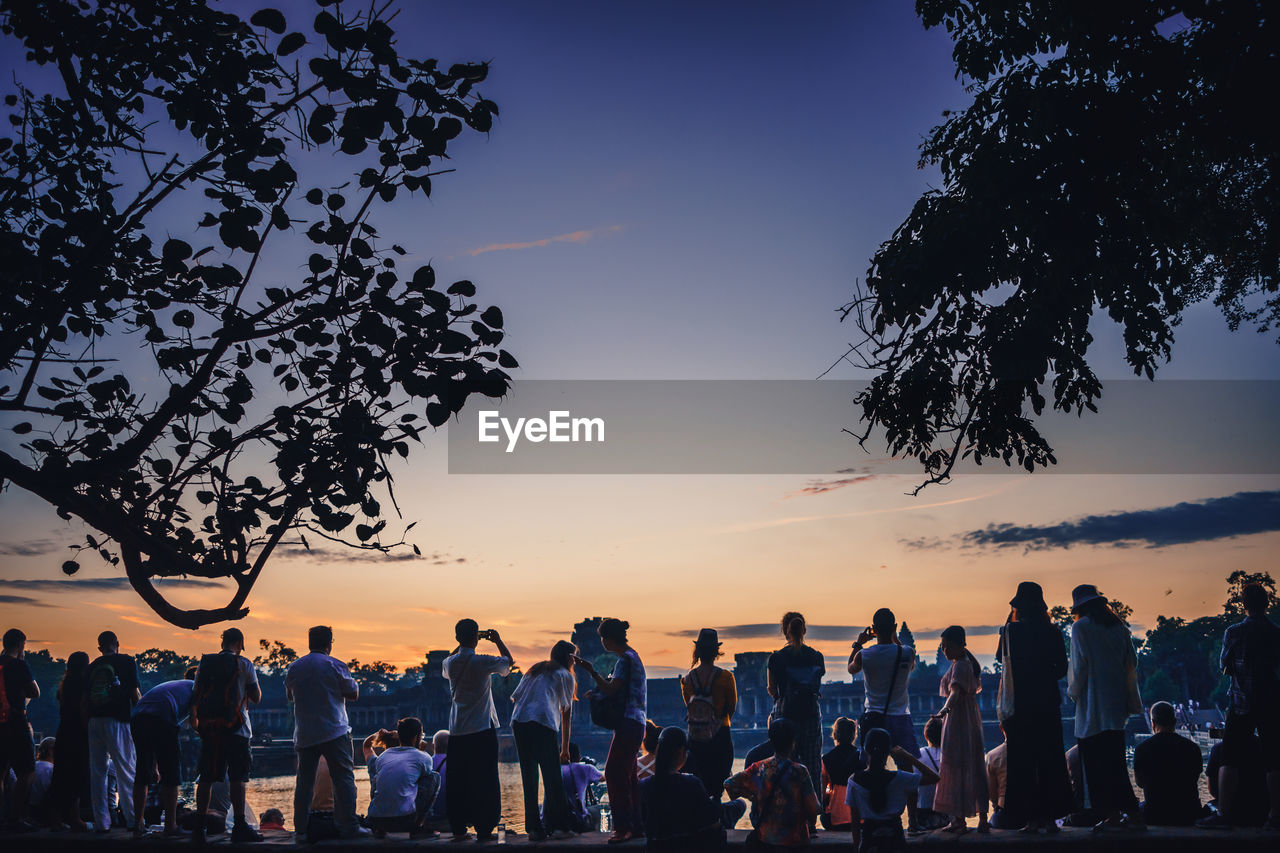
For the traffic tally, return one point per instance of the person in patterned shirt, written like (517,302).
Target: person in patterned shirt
(781,791)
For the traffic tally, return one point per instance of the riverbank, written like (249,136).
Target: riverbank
(1155,840)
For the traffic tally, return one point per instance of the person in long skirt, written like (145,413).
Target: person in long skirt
(1103,682)
(1034,659)
(711,696)
(962,778)
(70,785)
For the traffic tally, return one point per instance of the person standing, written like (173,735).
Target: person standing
(794,680)
(1251,657)
(113,691)
(1103,683)
(962,777)
(17,749)
(156,720)
(886,668)
(226,684)
(1033,660)
(475,795)
(319,686)
(540,724)
(71,771)
(626,689)
(710,698)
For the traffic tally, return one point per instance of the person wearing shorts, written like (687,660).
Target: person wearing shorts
(154,726)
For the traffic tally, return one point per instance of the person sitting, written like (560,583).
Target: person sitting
(931,755)
(438,817)
(407,784)
(649,751)
(1167,768)
(577,776)
(1082,813)
(272,820)
(38,799)
(1249,805)
(837,766)
(678,813)
(878,796)
(781,790)
(374,745)
(997,761)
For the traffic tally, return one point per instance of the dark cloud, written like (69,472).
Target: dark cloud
(771,630)
(30,548)
(24,601)
(1241,514)
(100,584)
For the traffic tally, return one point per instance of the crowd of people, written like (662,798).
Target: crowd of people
(667,785)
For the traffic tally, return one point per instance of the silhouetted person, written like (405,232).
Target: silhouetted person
(886,667)
(226,684)
(17,749)
(841,762)
(997,761)
(540,725)
(1104,687)
(1167,767)
(625,694)
(794,680)
(156,720)
(113,691)
(475,796)
(1033,660)
(70,784)
(319,685)
(679,814)
(710,698)
(1249,808)
(962,786)
(878,795)
(577,776)
(781,791)
(1251,657)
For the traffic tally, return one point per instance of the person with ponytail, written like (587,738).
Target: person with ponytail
(962,778)
(878,796)
(540,724)
(794,680)
(784,804)
(628,682)
(679,814)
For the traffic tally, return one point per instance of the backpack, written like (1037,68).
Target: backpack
(4,694)
(799,700)
(104,689)
(703,721)
(216,701)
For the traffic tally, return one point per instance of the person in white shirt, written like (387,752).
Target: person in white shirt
(878,795)
(471,775)
(540,724)
(38,793)
(406,784)
(931,757)
(1102,681)
(319,686)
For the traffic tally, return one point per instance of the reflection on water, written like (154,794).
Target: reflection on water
(276,792)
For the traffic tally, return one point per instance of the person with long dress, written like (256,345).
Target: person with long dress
(70,785)
(1033,660)
(1102,681)
(962,777)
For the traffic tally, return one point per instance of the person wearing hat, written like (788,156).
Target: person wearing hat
(1102,680)
(710,697)
(1033,659)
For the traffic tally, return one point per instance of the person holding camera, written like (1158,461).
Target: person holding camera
(471,774)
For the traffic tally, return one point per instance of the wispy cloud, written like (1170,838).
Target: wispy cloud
(1241,514)
(30,548)
(100,584)
(358,555)
(821,487)
(572,237)
(26,601)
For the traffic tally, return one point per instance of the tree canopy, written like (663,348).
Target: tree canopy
(1115,159)
(193,405)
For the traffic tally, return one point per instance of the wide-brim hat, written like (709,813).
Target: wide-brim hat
(1030,596)
(707,637)
(1083,594)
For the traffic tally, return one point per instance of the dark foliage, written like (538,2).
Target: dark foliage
(189,409)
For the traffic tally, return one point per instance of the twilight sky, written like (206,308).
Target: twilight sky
(689,191)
